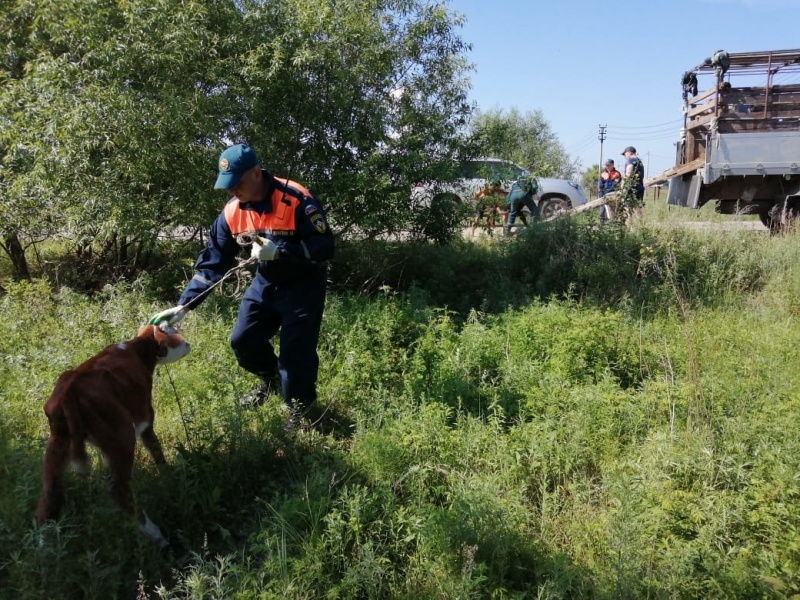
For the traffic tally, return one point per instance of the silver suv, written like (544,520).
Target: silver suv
(555,195)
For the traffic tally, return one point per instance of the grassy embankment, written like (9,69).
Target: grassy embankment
(571,413)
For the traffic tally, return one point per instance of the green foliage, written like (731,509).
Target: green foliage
(114,113)
(565,258)
(491,201)
(527,139)
(440,222)
(618,425)
(128,148)
(589,179)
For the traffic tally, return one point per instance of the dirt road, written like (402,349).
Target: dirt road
(724,225)
(755,226)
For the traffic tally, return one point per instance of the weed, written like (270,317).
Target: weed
(574,412)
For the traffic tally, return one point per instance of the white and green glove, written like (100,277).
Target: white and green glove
(266,251)
(171,316)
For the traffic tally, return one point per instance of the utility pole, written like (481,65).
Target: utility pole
(601,136)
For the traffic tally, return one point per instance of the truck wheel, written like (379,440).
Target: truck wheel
(552,207)
(776,220)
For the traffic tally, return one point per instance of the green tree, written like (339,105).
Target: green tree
(589,179)
(113,113)
(527,139)
(14,28)
(366,97)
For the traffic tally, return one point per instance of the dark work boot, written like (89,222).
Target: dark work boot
(295,418)
(294,421)
(300,416)
(261,391)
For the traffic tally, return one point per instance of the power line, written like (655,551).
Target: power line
(586,145)
(665,135)
(587,139)
(652,130)
(673,122)
(661,135)
(645,134)
(785,79)
(580,149)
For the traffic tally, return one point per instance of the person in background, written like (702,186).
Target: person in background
(292,243)
(521,195)
(632,184)
(609,180)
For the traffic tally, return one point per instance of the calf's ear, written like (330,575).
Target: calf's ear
(159,335)
(161,339)
(155,332)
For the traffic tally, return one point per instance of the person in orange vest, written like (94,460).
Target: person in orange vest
(288,290)
(608,182)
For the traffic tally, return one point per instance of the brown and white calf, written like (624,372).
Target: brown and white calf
(107,401)
(490,212)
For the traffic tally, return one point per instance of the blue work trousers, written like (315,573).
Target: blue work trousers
(294,309)
(605,211)
(516,202)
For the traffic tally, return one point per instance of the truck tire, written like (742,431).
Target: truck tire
(766,220)
(778,219)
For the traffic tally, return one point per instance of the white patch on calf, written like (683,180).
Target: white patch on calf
(152,532)
(140,427)
(175,353)
(81,467)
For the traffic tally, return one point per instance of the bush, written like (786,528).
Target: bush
(623,435)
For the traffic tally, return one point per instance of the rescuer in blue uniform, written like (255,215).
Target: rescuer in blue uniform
(521,195)
(288,290)
(632,185)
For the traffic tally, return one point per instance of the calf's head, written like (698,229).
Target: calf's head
(171,345)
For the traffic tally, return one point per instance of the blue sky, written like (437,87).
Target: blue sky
(585,64)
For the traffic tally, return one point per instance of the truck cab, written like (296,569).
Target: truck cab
(740,141)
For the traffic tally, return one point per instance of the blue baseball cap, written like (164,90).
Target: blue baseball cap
(234,162)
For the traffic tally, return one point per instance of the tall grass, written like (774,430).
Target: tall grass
(573,412)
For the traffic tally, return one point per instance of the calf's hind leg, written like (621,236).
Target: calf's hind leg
(55,463)
(119,451)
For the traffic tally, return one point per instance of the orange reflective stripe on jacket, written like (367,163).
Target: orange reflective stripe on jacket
(292,184)
(280,220)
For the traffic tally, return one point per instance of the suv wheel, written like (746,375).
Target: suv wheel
(551,207)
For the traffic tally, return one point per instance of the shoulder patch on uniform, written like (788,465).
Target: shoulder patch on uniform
(319,223)
(310,208)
